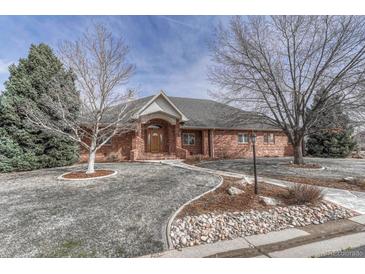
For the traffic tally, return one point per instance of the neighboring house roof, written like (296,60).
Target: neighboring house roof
(197,113)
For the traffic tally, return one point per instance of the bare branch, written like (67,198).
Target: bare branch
(275,66)
(98,59)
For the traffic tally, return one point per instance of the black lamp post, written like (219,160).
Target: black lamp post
(253,139)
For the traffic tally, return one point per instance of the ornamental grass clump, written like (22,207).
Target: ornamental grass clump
(302,194)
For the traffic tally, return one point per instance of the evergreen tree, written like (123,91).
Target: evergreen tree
(31,85)
(332,135)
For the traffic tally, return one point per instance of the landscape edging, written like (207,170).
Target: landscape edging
(173,216)
(84,179)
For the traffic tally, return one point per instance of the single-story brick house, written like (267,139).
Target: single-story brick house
(174,127)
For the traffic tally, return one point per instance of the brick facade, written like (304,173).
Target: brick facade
(119,149)
(226,145)
(197,147)
(208,143)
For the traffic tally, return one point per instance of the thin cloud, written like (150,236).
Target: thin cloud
(179,22)
(170,53)
(4,65)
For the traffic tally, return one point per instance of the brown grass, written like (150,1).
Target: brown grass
(220,201)
(303,194)
(84,175)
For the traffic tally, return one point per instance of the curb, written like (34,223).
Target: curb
(171,219)
(322,248)
(214,172)
(261,242)
(84,179)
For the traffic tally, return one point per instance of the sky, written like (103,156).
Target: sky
(171,53)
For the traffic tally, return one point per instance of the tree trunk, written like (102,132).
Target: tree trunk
(298,153)
(91,162)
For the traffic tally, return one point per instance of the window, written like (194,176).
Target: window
(269,138)
(243,138)
(188,138)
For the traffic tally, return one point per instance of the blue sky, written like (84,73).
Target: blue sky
(170,52)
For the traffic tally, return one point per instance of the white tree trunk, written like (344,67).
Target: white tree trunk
(92,154)
(91,162)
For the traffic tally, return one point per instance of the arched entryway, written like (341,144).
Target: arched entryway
(158,136)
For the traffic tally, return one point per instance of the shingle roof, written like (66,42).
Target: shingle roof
(204,113)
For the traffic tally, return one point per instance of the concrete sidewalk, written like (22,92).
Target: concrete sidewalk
(353,200)
(309,241)
(177,163)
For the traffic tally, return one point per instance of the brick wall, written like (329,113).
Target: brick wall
(118,150)
(226,145)
(205,143)
(131,146)
(197,147)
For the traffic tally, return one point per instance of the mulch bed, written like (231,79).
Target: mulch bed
(84,175)
(220,201)
(334,183)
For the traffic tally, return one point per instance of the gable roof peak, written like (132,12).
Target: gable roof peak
(162,94)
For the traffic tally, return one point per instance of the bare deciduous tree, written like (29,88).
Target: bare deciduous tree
(99,62)
(276,65)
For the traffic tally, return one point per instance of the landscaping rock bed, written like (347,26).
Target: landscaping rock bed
(213,227)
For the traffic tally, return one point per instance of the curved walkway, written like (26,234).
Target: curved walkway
(120,216)
(353,200)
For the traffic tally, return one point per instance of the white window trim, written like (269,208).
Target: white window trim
(183,139)
(243,133)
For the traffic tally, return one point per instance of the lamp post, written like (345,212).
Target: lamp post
(253,139)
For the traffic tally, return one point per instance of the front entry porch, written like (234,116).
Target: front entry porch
(161,138)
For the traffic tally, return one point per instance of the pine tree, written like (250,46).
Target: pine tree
(23,146)
(332,135)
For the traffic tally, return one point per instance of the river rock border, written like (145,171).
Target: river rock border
(212,227)
(173,216)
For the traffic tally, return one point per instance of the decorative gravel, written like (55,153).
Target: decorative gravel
(209,228)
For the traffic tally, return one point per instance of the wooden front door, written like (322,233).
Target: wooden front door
(155,140)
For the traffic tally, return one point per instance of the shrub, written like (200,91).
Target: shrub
(22,145)
(302,194)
